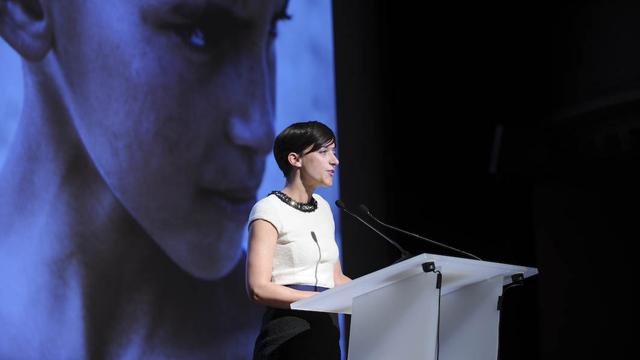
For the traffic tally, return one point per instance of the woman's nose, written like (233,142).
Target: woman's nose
(334,159)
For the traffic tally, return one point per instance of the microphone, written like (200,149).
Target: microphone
(404,253)
(366,211)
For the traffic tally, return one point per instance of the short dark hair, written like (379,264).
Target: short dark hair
(298,137)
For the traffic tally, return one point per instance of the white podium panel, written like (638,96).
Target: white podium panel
(340,299)
(405,329)
(395,310)
(470,317)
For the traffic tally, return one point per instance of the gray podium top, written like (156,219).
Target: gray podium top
(456,273)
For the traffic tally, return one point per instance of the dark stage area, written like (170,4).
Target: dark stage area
(507,130)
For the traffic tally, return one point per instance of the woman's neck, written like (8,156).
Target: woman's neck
(298,191)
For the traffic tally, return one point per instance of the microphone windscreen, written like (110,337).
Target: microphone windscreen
(340,204)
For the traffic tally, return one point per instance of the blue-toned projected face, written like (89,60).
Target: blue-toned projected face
(126,188)
(173,101)
(143,135)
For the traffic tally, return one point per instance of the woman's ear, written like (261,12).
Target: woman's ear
(26,27)
(294,160)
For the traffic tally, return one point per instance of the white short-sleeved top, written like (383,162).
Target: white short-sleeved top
(298,258)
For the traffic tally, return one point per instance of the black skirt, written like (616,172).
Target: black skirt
(296,334)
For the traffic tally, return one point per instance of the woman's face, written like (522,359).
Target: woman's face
(318,167)
(173,100)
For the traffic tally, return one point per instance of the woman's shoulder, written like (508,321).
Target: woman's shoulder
(268,201)
(267,209)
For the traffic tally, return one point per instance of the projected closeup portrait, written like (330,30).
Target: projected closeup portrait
(126,184)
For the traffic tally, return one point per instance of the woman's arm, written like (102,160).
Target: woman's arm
(262,243)
(338,277)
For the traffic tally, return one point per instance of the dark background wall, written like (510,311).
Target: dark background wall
(510,131)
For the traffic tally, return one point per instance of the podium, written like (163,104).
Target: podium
(423,307)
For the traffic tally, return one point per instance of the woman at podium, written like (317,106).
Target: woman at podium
(292,251)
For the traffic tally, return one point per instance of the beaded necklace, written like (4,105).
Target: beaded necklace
(311,206)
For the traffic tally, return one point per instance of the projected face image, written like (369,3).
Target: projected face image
(141,134)
(173,101)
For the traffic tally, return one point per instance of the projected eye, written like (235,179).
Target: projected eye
(196,37)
